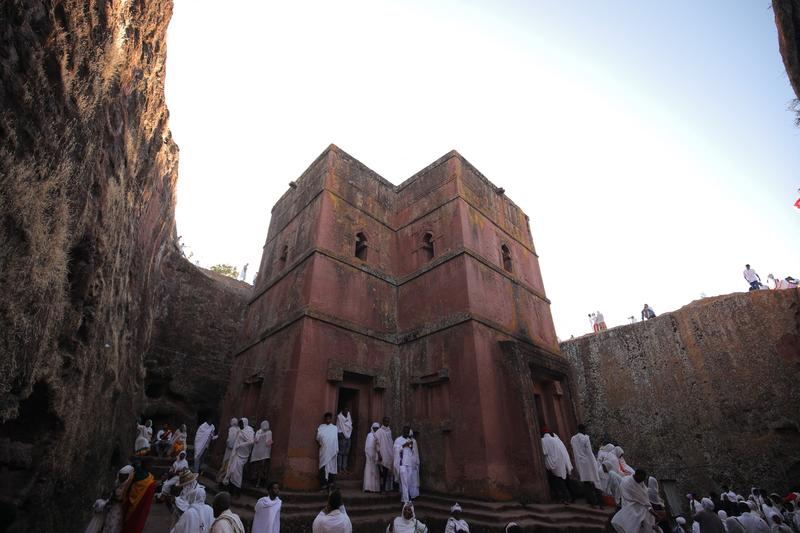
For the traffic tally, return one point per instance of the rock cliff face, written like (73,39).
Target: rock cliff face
(87,174)
(787,19)
(705,395)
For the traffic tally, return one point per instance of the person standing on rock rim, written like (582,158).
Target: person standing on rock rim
(385,455)
(139,497)
(647,313)
(226,520)
(233,432)
(752,278)
(239,457)
(344,427)
(557,463)
(601,321)
(586,464)
(333,518)
(202,440)
(593,322)
(268,511)
(636,514)
(262,452)
(372,479)
(328,440)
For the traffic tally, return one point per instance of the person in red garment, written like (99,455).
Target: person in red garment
(140,496)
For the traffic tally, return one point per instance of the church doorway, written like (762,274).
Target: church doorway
(552,410)
(354,393)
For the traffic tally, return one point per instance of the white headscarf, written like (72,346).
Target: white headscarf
(402,524)
(652,491)
(122,487)
(707,504)
(264,426)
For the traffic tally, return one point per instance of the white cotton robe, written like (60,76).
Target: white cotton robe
(372,481)
(585,462)
(336,521)
(268,515)
(328,439)
(556,456)
(403,467)
(413,484)
(241,454)
(203,438)
(227,522)
(262,448)
(634,517)
(233,431)
(199,517)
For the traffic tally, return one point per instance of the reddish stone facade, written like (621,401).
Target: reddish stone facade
(422,302)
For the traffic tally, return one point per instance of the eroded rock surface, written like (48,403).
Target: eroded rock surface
(87,174)
(705,395)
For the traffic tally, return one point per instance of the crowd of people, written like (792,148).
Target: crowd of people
(637,496)
(754,280)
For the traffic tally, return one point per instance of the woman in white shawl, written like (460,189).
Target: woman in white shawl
(262,451)
(233,431)
(602,454)
(636,514)
(144,434)
(333,518)
(198,517)
(407,522)
(613,480)
(116,513)
(624,469)
(372,481)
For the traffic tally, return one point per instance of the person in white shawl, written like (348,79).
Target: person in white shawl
(557,463)
(198,517)
(602,454)
(268,511)
(751,520)
(404,463)
(328,440)
(98,517)
(385,455)
(202,440)
(262,452)
(333,518)
(372,480)
(173,475)
(613,480)
(116,513)
(456,524)
(239,457)
(586,464)
(226,521)
(233,431)
(624,469)
(413,482)
(144,434)
(636,514)
(407,522)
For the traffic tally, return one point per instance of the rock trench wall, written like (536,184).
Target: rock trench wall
(87,244)
(704,395)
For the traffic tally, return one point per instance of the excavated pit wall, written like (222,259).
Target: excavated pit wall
(705,395)
(87,250)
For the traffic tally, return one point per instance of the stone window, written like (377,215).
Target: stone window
(361,246)
(284,256)
(427,246)
(506,253)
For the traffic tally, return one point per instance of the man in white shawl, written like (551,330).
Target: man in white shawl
(328,440)
(333,518)
(413,482)
(385,455)
(404,462)
(233,431)
(586,464)
(344,428)
(198,517)
(202,440)
(750,519)
(372,480)
(636,514)
(226,520)
(407,522)
(262,453)
(268,511)
(239,457)
(557,463)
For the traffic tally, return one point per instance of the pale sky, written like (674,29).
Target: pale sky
(650,143)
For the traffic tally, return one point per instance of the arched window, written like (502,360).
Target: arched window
(284,256)
(361,246)
(506,253)
(427,246)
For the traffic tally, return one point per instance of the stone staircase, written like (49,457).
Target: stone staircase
(372,512)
